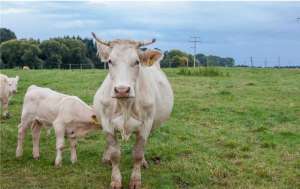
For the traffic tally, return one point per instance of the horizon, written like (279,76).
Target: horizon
(267,31)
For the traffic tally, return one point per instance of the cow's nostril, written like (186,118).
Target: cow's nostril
(128,89)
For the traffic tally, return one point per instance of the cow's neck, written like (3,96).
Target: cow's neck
(125,107)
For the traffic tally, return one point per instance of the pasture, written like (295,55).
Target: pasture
(236,131)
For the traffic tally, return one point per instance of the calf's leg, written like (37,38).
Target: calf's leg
(21,134)
(60,133)
(36,132)
(73,144)
(5,113)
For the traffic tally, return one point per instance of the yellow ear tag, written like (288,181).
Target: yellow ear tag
(95,121)
(150,63)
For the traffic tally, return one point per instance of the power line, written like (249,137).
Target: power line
(195,40)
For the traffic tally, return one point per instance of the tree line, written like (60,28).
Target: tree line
(60,52)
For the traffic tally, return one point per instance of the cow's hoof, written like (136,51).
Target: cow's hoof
(19,153)
(57,164)
(135,184)
(115,185)
(74,161)
(36,157)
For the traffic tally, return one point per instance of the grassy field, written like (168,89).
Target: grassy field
(238,131)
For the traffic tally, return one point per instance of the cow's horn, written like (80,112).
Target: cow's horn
(144,43)
(99,40)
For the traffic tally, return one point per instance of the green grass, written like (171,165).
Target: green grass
(241,131)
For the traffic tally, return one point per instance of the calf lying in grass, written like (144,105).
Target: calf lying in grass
(68,115)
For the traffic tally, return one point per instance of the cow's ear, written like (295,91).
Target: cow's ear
(103,51)
(103,48)
(17,78)
(149,57)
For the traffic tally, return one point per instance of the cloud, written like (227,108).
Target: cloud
(226,28)
(75,24)
(10,11)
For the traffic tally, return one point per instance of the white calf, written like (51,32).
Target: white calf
(8,87)
(68,115)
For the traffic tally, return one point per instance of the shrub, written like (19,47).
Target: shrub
(202,71)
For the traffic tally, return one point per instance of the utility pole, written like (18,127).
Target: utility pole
(279,61)
(195,40)
(251,61)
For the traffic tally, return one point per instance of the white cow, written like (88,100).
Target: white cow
(68,115)
(26,68)
(134,97)
(8,87)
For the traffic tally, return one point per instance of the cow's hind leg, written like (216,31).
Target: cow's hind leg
(21,134)
(36,132)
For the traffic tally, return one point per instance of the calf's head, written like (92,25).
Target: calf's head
(80,129)
(13,84)
(125,59)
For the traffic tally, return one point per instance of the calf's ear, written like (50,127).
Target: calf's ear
(149,57)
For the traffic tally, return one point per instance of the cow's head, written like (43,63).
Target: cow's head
(13,84)
(125,59)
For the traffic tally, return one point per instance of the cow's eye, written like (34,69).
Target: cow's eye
(109,61)
(137,62)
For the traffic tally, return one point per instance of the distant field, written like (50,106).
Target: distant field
(238,131)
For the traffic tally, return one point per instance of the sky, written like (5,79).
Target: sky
(263,30)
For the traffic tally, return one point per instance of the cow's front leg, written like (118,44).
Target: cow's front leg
(113,153)
(60,134)
(138,161)
(138,154)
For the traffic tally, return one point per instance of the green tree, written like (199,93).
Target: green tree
(6,34)
(53,53)
(76,53)
(19,53)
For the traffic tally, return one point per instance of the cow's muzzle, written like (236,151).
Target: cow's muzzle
(122,92)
